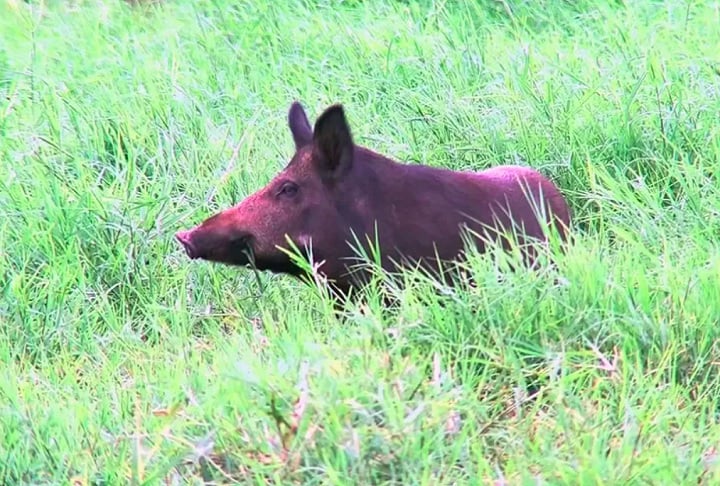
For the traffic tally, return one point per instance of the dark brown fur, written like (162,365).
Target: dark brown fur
(333,192)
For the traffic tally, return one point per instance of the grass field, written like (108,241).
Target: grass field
(121,361)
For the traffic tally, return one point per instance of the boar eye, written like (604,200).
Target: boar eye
(288,189)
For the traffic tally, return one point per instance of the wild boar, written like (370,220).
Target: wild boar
(334,194)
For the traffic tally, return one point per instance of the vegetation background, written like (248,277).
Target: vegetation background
(123,362)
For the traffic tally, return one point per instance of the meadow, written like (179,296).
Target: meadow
(123,362)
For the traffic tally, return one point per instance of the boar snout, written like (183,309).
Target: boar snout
(185,239)
(205,243)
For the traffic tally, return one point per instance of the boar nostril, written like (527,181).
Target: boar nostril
(184,238)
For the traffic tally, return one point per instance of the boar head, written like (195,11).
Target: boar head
(309,202)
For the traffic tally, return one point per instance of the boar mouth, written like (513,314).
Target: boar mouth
(241,250)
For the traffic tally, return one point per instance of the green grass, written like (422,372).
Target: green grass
(121,361)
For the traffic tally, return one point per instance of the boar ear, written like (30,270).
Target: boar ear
(333,142)
(299,125)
